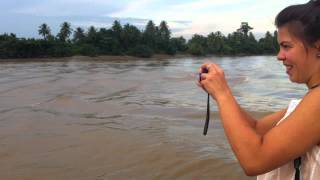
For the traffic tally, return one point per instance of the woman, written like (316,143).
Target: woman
(268,147)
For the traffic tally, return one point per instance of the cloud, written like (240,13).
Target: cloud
(107,22)
(68,8)
(132,8)
(183,17)
(208,16)
(187,18)
(205,4)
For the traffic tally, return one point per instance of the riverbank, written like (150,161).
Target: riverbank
(119,58)
(97,58)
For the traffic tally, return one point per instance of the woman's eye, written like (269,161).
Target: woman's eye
(285,46)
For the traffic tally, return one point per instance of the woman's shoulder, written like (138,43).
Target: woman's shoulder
(303,115)
(307,110)
(311,99)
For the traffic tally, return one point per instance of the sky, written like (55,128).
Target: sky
(184,17)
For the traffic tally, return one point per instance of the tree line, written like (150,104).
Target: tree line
(129,40)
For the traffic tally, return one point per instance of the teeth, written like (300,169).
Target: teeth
(289,67)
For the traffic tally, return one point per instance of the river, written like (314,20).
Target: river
(127,119)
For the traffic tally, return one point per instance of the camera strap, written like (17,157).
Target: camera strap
(206,125)
(297,164)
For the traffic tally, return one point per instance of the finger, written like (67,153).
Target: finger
(210,68)
(199,84)
(204,66)
(199,78)
(203,76)
(217,68)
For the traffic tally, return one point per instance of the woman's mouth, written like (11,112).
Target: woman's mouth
(288,68)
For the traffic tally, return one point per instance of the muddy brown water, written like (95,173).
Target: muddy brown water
(138,119)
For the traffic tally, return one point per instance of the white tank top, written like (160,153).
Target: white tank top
(310,165)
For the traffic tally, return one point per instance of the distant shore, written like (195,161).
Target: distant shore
(116,58)
(97,58)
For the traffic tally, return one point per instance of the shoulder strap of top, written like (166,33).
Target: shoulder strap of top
(292,106)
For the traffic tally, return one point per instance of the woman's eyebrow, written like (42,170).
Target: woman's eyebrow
(284,42)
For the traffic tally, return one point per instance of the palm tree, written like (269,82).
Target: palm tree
(149,35)
(92,35)
(78,35)
(244,28)
(117,30)
(44,30)
(131,36)
(164,31)
(65,31)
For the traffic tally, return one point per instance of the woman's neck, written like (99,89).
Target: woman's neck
(314,86)
(314,81)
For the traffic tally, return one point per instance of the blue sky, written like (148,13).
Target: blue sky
(184,17)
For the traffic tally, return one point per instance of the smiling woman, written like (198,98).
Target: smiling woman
(299,38)
(279,145)
(293,54)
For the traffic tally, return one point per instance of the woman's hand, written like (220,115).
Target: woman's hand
(214,81)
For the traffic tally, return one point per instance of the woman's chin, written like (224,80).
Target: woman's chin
(292,79)
(295,80)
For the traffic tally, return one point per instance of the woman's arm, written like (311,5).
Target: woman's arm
(261,152)
(264,124)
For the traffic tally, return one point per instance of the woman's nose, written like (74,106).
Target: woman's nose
(281,56)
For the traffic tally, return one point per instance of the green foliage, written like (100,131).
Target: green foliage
(85,50)
(117,29)
(131,36)
(65,31)
(163,37)
(141,51)
(268,44)
(275,41)
(129,40)
(117,37)
(164,31)
(8,45)
(171,48)
(60,49)
(92,36)
(44,30)
(107,43)
(78,35)
(12,47)
(215,43)
(150,34)
(197,45)
(236,43)
(179,44)
(196,49)
(244,28)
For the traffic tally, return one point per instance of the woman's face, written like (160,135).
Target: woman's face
(301,64)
